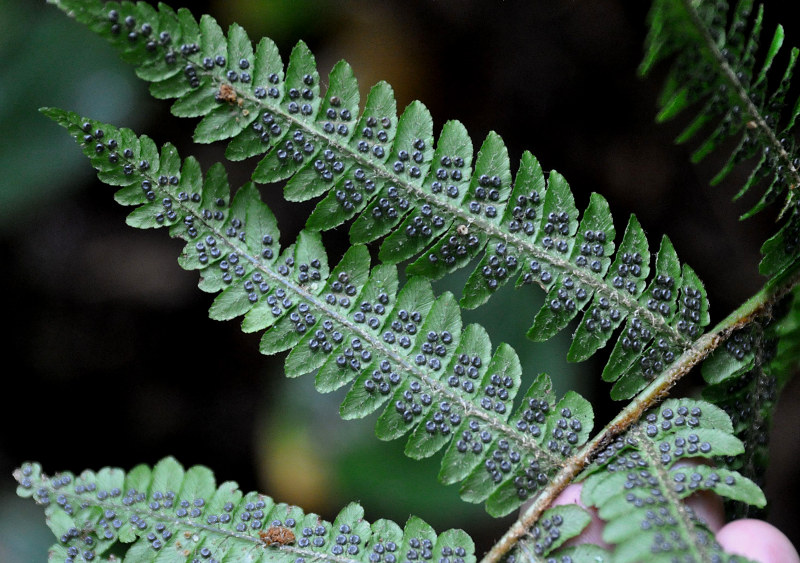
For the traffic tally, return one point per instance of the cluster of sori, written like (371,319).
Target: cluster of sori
(682,416)
(135,33)
(740,344)
(544,533)
(459,244)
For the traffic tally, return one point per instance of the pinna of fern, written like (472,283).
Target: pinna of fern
(636,481)
(168,513)
(433,204)
(349,324)
(715,70)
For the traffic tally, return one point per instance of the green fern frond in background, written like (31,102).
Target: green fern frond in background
(715,58)
(406,350)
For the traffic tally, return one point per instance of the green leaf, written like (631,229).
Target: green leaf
(414,129)
(338,111)
(417,231)
(556,526)
(474,342)
(301,75)
(595,240)
(627,365)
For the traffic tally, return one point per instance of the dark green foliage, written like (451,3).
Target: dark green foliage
(745,378)
(715,73)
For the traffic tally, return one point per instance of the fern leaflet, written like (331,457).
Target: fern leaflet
(170,514)
(644,478)
(434,204)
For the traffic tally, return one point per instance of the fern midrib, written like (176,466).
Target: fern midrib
(631,304)
(685,523)
(523,441)
(741,92)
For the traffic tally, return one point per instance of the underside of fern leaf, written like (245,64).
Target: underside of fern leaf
(167,513)
(404,351)
(645,477)
(350,324)
(715,65)
(438,205)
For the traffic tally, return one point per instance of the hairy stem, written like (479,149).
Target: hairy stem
(758,305)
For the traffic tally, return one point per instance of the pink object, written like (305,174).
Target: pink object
(754,539)
(757,540)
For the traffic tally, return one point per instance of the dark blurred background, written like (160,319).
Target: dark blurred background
(110,356)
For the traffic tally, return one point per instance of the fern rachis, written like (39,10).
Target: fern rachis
(300,290)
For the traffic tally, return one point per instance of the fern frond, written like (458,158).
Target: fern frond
(639,482)
(433,204)
(167,513)
(407,348)
(745,378)
(715,65)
